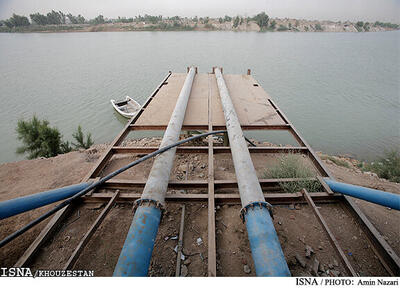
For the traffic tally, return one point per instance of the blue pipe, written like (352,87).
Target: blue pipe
(22,204)
(264,243)
(135,256)
(375,196)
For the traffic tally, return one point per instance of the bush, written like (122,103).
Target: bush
(39,140)
(80,138)
(387,167)
(262,20)
(282,28)
(290,166)
(318,27)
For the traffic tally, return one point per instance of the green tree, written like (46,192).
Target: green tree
(318,27)
(39,19)
(54,18)
(17,21)
(99,20)
(227,18)
(8,23)
(81,19)
(220,20)
(72,18)
(262,20)
(80,139)
(38,139)
(236,21)
(272,25)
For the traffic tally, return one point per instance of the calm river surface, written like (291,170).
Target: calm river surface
(340,90)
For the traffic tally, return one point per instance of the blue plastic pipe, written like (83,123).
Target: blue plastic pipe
(135,256)
(264,244)
(375,196)
(22,204)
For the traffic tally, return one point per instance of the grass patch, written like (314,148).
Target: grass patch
(290,166)
(387,167)
(337,161)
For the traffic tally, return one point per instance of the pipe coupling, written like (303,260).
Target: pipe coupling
(148,202)
(255,205)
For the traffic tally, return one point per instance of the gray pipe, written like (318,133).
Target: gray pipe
(249,187)
(135,256)
(157,182)
(264,243)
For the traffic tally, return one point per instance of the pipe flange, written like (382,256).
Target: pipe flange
(149,202)
(254,205)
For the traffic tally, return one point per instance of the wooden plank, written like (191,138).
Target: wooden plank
(243,90)
(75,255)
(180,244)
(59,216)
(330,235)
(212,249)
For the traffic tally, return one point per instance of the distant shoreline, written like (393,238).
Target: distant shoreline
(185,24)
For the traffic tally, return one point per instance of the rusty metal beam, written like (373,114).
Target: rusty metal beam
(330,235)
(215,127)
(204,149)
(180,244)
(212,247)
(75,255)
(193,184)
(233,198)
(386,255)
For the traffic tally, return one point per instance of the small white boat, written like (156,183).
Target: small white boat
(127,108)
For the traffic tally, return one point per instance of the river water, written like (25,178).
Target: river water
(340,90)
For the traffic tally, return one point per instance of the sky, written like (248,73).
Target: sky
(337,10)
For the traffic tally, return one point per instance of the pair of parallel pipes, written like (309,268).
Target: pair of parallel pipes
(266,250)
(267,253)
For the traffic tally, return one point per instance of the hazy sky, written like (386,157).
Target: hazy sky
(369,10)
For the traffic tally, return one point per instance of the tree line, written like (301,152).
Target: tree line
(51,18)
(262,20)
(61,18)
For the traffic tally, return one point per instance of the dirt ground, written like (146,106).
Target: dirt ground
(296,225)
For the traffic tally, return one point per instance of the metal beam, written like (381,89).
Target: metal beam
(204,149)
(75,255)
(330,235)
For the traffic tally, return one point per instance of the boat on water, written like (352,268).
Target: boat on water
(127,108)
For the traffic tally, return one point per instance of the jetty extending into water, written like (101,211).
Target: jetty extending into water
(208,110)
